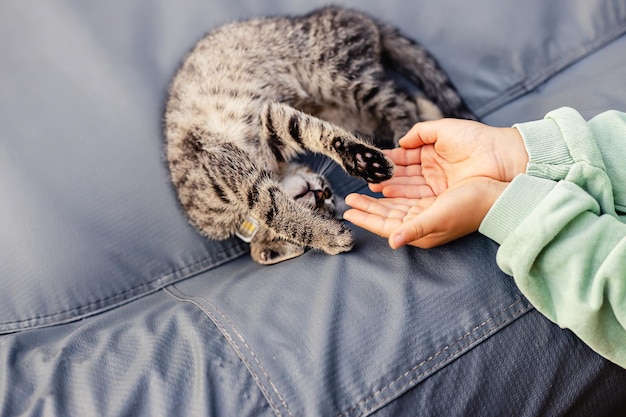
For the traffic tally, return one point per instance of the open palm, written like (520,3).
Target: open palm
(439,154)
(448,175)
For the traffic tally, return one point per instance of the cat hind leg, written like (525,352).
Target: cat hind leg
(268,252)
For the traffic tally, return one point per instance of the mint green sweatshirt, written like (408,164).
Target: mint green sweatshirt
(561,226)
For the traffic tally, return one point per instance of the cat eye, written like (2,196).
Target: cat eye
(327,193)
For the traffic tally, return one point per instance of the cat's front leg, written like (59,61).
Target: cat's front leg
(330,236)
(281,218)
(288,131)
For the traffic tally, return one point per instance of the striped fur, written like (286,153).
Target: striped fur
(253,95)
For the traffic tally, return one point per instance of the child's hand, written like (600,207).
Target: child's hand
(428,221)
(448,174)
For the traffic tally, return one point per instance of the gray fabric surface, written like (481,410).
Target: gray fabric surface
(112,304)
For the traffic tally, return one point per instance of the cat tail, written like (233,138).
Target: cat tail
(417,64)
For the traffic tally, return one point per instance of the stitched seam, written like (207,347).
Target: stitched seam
(180,273)
(191,299)
(187,299)
(379,391)
(455,354)
(254,356)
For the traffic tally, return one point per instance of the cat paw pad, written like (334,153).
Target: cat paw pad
(368,163)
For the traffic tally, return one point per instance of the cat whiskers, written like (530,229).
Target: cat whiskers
(323,166)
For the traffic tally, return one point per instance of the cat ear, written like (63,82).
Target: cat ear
(271,252)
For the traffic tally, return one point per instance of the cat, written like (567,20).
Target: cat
(253,95)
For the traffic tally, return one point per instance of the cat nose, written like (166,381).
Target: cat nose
(321,196)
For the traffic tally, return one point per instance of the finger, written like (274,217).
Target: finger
(383,207)
(371,222)
(399,207)
(403,176)
(440,222)
(432,240)
(405,234)
(416,207)
(420,134)
(408,191)
(404,157)
(382,226)
(408,171)
(360,202)
(413,181)
(410,232)
(377,188)
(422,227)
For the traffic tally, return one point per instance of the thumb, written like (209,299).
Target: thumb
(440,222)
(405,234)
(420,226)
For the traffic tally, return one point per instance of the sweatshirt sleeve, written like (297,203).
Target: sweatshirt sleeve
(560,227)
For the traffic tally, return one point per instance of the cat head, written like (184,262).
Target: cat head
(309,189)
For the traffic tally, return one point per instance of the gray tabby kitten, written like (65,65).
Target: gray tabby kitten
(253,95)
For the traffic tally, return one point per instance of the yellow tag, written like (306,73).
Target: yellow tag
(247,229)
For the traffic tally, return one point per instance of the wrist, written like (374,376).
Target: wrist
(515,203)
(491,194)
(513,154)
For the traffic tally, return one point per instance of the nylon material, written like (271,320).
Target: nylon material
(545,38)
(566,379)
(546,72)
(95,221)
(72,304)
(83,129)
(591,86)
(349,345)
(127,362)
(96,147)
(105,364)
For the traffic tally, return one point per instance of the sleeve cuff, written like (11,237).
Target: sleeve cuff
(548,153)
(517,201)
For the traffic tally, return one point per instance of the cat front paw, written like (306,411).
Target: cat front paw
(364,161)
(340,241)
(331,236)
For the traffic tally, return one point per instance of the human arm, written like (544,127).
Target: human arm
(561,236)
